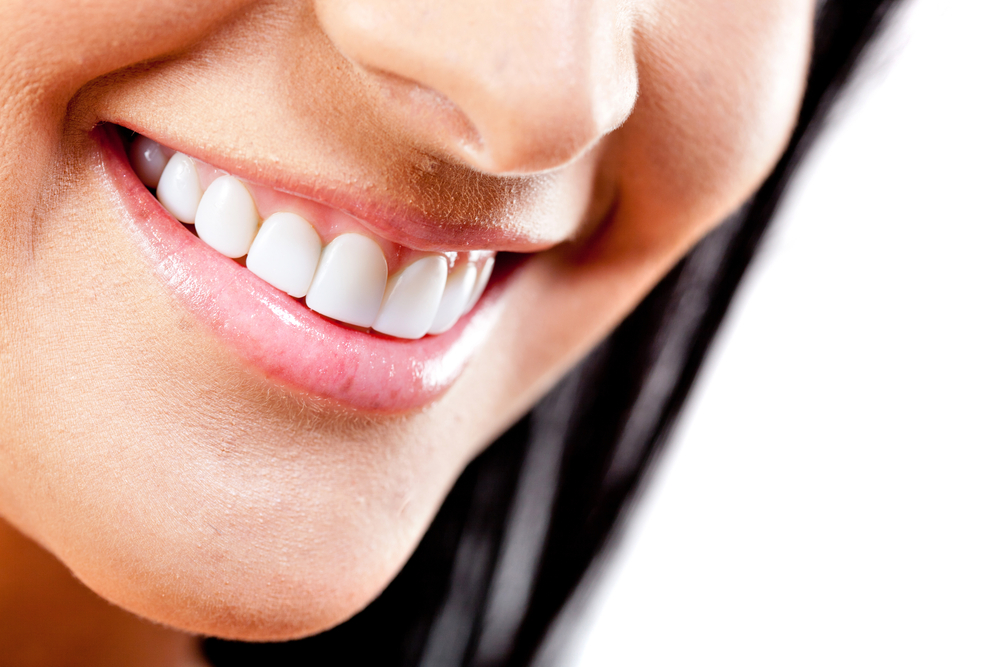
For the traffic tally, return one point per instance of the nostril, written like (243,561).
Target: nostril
(507,129)
(506,86)
(529,127)
(521,140)
(499,131)
(433,111)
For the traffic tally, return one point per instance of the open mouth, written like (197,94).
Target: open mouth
(314,252)
(305,292)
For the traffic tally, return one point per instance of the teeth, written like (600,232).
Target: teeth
(350,281)
(148,159)
(227,218)
(285,253)
(346,281)
(456,295)
(412,298)
(179,189)
(481,282)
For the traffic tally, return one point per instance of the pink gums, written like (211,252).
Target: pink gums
(278,335)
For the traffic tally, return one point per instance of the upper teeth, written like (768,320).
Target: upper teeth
(347,280)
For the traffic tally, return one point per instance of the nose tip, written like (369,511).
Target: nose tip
(534,82)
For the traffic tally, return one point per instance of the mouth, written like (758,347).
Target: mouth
(304,293)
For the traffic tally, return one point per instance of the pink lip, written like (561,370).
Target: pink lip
(280,337)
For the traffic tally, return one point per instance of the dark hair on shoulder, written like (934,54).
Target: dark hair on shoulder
(497,579)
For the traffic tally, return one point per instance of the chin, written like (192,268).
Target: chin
(274,590)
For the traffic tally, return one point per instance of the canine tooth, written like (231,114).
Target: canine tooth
(350,280)
(481,282)
(285,253)
(412,298)
(227,218)
(148,159)
(179,189)
(457,291)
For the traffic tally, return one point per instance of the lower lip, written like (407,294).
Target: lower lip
(290,344)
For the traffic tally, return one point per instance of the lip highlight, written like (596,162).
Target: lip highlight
(276,334)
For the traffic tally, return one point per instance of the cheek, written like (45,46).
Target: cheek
(207,503)
(50,50)
(719,88)
(60,45)
(721,84)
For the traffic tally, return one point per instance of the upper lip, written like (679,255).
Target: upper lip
(419,225)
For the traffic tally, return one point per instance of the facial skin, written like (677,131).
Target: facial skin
(177,481)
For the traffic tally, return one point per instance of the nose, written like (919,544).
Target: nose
(532,83)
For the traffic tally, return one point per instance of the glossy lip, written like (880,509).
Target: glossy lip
(279,336)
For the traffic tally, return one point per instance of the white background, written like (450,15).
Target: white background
(833,494)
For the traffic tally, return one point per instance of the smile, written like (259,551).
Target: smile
(323,255)
(304,292)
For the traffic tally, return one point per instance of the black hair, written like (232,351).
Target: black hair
(497,579)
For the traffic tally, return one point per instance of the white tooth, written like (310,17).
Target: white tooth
(148,159)
(285,253)
(481,282)
(412,298)
(227,218)
(457,291)
(179,189)
(350,280)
